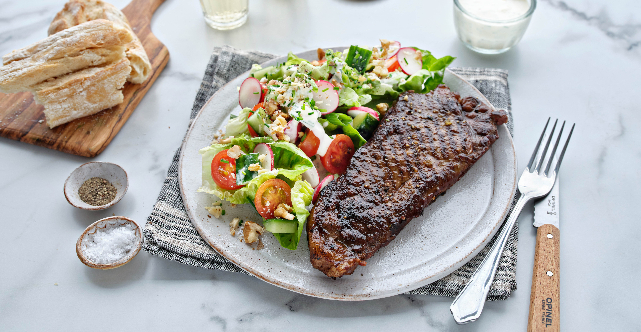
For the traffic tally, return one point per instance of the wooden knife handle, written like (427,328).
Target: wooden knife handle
(545,311)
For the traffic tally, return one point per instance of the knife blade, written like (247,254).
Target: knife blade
(546,210)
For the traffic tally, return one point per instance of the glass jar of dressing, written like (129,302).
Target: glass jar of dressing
(492,26)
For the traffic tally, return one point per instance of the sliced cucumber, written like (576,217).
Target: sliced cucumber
(358,58)
(280,226)
(365,124)
(259,121)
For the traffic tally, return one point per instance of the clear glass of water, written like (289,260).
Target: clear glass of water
(225,14)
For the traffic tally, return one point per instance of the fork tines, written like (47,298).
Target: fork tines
(539,155)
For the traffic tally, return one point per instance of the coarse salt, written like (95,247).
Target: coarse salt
(109,245)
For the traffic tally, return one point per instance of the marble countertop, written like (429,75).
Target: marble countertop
(579,60)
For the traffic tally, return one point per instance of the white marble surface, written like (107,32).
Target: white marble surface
(579,60)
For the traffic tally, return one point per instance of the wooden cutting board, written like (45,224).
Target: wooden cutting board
(21,119)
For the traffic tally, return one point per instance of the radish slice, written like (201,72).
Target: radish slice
(357,110)
(250,93)
(293,127)
(326,97)
(409,60)
(393,49)
(268,162)
(311,176)
(322,185)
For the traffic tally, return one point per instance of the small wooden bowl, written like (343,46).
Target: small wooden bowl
(111,172)
(107,223)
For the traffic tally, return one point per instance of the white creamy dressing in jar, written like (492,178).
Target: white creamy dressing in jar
(496,10)
(310,120)
(491,25)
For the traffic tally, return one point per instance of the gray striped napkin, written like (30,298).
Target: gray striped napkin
(170,234)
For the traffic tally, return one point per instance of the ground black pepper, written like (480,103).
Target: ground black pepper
(97,191)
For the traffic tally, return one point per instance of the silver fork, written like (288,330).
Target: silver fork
(534,183)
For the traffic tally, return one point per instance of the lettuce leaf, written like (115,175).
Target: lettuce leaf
(338,119)
(356,137)
(238,125)
(348,97)
(289,160)
(415,82)
(302,193)
(293,59)
(247,143)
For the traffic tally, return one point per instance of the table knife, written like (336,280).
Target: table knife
(544,297)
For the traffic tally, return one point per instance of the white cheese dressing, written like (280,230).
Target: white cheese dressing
(309,118)
(496,10)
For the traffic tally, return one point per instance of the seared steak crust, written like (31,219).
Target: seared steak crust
(425,143)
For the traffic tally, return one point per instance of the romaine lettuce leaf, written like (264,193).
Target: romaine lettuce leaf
(302,193)
(208,153)
(415,82)
(289,160)
(356,137)
(247,143)
(238,125)
(293,59)
(338,119)
(379,89)
(348,97)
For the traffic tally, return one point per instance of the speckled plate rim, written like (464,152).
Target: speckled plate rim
(368,293)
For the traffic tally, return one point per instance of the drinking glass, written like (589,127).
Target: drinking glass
(490,36)
(225,14)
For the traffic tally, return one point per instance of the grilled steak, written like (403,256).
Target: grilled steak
(425,143)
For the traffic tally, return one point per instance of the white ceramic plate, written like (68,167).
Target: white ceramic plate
(451,231)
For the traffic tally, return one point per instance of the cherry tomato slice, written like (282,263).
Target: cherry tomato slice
(339,154)
(392,64)
(263,93)
(224,173)
(252,132)
(259,105)
(310,144)
(269,195)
